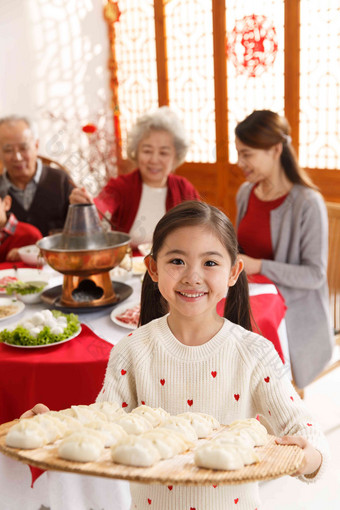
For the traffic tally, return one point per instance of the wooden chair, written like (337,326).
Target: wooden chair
(54,164)
(333,278)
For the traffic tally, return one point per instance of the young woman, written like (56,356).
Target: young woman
(282,229)
(136,201)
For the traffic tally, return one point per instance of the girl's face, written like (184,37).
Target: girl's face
(193,271)
(257,164)
(156,158)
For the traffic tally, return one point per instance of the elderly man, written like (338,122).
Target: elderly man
(40,194)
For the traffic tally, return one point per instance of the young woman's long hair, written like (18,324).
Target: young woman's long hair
(193,213)
(261,130)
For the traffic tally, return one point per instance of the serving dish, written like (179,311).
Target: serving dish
(71,337)
(18,307)
(119,310)
(33,296)
(275,461)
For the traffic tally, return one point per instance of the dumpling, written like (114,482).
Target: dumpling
(135,451)
(228,456)
(112,432)
(155,416)
(54,428)
(253,428)
(182,425)
(203,424)
(111,409)
(239,437)
(26,434)
(71,424)
(82,446)
(84,413)
(133,423)
(168,442)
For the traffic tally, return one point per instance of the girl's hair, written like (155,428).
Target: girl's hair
(261,130)
(193,213)
(162,119)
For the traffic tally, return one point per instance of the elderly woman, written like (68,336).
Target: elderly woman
(136,201)
(282,228)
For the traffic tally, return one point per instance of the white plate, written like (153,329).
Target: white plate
(121,309)
(138,266)
(25,274)
(45,345)
(11,301)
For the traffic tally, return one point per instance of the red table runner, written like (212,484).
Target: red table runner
(58,376)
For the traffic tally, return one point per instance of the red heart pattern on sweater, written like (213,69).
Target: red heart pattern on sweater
(292,399)
(236,396)
(170,487)
(162,381)
(236,501)
(123,372)
(124,404)
(214,373)
(267,379)
(149,501)
(129,334)
(142,402)
(192,508)
(190,402)
(214,486)
(309,424)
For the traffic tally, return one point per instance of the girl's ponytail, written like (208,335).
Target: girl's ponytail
(237,305)
(153,305)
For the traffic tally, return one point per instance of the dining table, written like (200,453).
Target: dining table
(73,373)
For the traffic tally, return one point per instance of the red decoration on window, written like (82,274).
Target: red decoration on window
(252,45)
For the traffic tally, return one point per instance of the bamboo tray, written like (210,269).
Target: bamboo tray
(275,461)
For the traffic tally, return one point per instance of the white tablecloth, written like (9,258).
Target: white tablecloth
(65,491)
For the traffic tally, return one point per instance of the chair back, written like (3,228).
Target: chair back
(334,262)
(54,164)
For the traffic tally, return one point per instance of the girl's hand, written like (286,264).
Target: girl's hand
(251,265)
(37,409)
(80,196)
(313,457)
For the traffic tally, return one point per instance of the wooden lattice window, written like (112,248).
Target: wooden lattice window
(189,54)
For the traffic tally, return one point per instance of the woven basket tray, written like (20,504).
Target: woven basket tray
(275,461)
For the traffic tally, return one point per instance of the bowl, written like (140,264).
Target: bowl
(32,297)
(30,255)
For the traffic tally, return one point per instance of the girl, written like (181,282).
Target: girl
(282,228)
(186,357)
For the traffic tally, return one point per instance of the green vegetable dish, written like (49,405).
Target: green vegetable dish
(42,328)
(24,287)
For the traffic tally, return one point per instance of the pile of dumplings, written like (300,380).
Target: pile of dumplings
(233,448)
(140,438)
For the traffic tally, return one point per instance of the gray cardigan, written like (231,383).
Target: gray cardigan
(299,233)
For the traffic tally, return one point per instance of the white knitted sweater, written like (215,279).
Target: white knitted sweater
(236,375)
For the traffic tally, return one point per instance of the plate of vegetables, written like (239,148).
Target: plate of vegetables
(42,329)
(28,292)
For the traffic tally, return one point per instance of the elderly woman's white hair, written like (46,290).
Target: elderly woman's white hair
(9,119)
(162,119)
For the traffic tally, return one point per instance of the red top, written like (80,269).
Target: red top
(121,197)
(253,233)
(24,234)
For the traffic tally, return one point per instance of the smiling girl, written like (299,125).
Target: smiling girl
(186,357)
